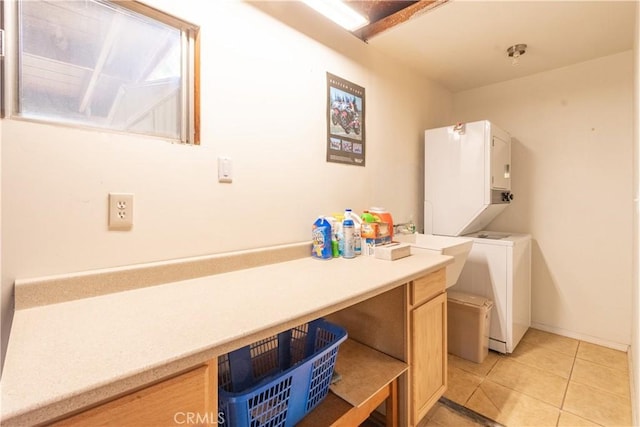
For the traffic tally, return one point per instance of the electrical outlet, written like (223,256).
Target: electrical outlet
(120,211)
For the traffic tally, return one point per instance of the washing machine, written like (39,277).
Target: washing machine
(499,268)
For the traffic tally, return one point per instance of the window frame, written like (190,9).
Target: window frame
(190,98)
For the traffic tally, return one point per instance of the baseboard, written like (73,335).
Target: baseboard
(581,337)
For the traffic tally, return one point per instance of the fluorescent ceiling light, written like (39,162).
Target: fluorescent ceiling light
(339,12)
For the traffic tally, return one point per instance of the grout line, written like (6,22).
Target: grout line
(564,397)
(484,378)
(578,350)
(500,358)
(569,380)
(535,368)
(604,364)
(530,396)
(505,357)
(474,391)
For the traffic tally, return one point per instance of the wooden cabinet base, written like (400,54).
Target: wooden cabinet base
(186,399)
(406,324)
(429,355)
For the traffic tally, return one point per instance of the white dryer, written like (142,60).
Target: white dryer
(499,268)
(467,184)
(467,180)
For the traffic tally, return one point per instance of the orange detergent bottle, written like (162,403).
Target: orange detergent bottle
(384,217)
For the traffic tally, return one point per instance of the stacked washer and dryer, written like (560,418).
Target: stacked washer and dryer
(467,184)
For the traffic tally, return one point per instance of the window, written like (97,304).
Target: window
(116,65)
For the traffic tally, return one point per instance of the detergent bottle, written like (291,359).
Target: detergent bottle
(357,230)
(385,216)
(321,239)
(348,231)
(339,232)
(335,247)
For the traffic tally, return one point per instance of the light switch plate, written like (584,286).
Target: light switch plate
(225,169)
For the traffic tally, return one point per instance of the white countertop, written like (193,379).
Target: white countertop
(65,356)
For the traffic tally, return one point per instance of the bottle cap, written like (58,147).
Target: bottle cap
(367,217)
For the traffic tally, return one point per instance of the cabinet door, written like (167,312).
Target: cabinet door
(429,355)
(187,399)
(500,163)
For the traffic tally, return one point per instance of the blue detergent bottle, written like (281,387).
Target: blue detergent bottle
(349,238)
(321,239)
(357,223)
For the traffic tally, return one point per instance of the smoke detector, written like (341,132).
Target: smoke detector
(516,51)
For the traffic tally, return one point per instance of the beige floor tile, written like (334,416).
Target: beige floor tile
(552,361)
(480,369)
(511,408)
(432,411)
(446,417)
(534,382)
(597,406)
(567,419)
(427,418)
(551,341)
(523,388)
(461,385)
(603,356)
(607,379)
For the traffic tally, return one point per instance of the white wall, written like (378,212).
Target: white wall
(263,104)
(635,329)
(6,315)
(572,132)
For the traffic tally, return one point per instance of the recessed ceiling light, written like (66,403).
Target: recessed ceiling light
(516,51)
(339,12)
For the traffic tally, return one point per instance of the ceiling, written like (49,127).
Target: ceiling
(462,44)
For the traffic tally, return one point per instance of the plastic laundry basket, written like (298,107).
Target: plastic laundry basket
(468,321)
(277,381)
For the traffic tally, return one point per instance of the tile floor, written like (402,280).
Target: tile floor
(549,380)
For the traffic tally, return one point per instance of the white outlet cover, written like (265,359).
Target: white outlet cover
(120,211)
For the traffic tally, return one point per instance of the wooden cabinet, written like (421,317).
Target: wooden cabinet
(408,323)
(186,399)
(427,343)
(428,355)
(427,287)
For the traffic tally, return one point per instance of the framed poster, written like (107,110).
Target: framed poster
(345,122)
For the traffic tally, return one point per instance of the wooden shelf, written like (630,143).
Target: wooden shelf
(368,379)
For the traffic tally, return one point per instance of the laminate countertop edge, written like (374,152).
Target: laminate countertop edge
(67,356)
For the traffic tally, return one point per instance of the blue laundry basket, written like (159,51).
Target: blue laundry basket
(275,382)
